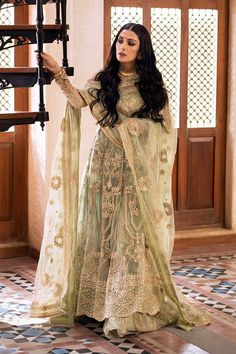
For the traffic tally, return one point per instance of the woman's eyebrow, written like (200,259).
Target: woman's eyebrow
(129,39)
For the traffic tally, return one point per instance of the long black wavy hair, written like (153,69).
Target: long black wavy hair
(150,84)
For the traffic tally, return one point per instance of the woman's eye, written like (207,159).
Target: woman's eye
(131,43)
(120,40)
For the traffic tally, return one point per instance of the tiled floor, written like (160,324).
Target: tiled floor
(208,279)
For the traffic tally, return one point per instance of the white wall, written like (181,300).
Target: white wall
(85,53)
(230,210)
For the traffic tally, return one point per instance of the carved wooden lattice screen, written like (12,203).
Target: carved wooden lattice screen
(202,68)
(190,42)
(166,44)
(7,60)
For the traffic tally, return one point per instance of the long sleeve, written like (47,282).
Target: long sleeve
(74,96)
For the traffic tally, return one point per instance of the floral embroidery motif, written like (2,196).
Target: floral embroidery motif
(168,208)
(58,239)
(56,182)
(144,184)
(163,155)
(134,128)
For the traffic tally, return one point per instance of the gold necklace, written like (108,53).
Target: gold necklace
(125,70)
(127,73)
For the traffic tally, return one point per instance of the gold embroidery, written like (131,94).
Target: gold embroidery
(56,182)
(131,275)
(168,208)
(58,239)
(38,310)
(144,184)
(163,155)
(135,127)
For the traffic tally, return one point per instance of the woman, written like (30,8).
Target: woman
(107,254)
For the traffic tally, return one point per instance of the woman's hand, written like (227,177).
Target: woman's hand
(49,62)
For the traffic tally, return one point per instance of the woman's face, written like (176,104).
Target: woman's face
(127,46)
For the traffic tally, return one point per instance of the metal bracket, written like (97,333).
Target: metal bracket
(6,42)
(5,84)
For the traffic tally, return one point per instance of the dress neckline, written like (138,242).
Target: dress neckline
(128,78)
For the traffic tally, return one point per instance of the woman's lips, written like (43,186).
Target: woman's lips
(122,54)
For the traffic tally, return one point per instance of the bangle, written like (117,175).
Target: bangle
(59,74)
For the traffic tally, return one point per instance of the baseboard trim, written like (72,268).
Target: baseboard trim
(34,253)
(184,239)
(203,237)
(13,249)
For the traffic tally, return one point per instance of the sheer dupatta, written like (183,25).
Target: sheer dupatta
(55,280)
(150,149)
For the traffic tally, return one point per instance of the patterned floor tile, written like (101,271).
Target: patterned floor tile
(193,272)
(129,347)
(224,287)
(18,280)
(208,279)
(121,343)
(66,351)
(29,333)
(73,351)
(4,350)
(209,301)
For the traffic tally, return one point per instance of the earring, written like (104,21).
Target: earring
(139,56)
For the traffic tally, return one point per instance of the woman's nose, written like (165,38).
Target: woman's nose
(123,45)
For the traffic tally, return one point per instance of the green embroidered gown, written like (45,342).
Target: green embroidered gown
(106,253)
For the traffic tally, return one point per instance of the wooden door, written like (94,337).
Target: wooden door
(190,43)
(13,153)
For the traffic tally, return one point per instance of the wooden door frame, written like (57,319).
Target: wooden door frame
(21,57)
(217,213)
(15,243)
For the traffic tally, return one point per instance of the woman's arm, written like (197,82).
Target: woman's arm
(73,95)
(71,92)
